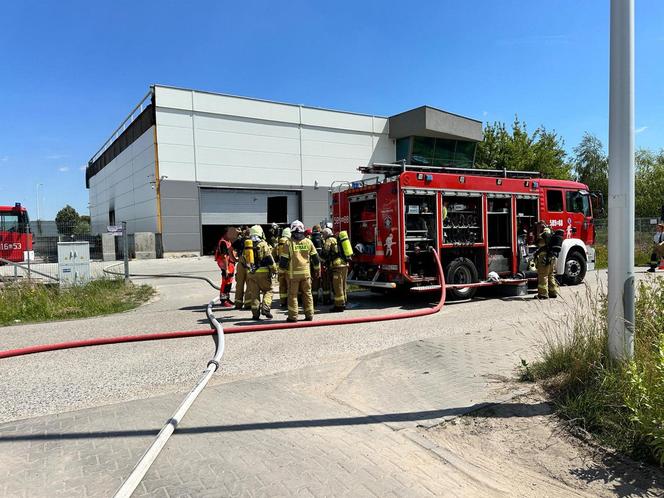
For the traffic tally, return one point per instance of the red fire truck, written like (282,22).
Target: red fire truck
(480,221)
(15,236)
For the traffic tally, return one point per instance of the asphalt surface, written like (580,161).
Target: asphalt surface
(69,380)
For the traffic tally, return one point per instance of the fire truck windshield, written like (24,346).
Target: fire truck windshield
(13,222)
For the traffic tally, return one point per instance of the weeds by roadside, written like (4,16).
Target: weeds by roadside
(621,404)
(30,302)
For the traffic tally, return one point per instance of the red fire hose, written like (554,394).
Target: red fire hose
(235,330)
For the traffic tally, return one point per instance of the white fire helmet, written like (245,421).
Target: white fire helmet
(297,226)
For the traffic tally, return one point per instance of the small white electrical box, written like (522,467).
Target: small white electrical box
(73,263)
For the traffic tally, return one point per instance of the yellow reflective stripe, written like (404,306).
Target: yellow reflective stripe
(262,269)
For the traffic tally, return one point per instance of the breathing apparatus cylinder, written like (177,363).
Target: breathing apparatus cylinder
(555,243)
(249,251)
(345,244)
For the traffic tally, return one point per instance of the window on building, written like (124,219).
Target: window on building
(464,154)
(554,201)
(403,149)
(444,152)
(423,149)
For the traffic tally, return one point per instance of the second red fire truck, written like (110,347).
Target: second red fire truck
(482,222)
(15,236)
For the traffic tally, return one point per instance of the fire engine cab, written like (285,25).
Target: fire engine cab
(480,221)
(15,236)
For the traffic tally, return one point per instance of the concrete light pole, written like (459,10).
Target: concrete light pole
(621,181)
(39,185)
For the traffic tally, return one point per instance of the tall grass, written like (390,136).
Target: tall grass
(30,302)
(622,404)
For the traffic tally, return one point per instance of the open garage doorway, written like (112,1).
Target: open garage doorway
(221,207)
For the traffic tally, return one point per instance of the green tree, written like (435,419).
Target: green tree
(66,220)
(591,164)
(518,150)
(649,182)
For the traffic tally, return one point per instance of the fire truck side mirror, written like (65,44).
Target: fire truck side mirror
(597,200)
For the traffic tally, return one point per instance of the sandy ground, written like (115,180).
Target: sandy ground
(521,448)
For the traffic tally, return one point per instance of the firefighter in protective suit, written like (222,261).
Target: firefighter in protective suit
(241,301)
(259,278)
(226,259)
(282,274)
(545,263)
(298,261)
(335,264)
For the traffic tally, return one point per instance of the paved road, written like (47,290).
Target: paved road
(67,380)
(334,411)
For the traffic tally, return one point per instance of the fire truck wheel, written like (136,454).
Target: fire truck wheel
(461,271)
(575,268)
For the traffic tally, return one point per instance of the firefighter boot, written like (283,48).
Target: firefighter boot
(265,310)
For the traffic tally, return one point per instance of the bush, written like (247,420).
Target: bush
(621,404)
(32,302)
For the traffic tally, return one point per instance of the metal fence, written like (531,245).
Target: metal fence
(43,266)
(644,229)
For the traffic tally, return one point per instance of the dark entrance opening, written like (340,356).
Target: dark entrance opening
(277,209)
(211,236)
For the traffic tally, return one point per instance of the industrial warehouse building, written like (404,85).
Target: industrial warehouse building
(185,163)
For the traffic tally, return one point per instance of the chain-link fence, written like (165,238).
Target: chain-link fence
(42,263)
(644,230)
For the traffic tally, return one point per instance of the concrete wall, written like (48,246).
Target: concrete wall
(124,184)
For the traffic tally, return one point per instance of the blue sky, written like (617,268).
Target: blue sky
(70,71)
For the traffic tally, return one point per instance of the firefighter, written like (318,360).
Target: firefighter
(282,274)
(317,239)
(337,268)
(259,279)
(545,263)
(273,235)
(657,248)
(240,271)
(226,259)
(298,262)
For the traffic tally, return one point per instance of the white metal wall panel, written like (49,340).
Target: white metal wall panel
(124,183)
(236,140)
(248,108)
(336,120)
(240,206)
(174,98)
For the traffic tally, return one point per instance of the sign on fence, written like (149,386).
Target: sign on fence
(114,229)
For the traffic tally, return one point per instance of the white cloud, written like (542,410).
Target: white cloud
(641,130)
(4,159)
(82,168)
(56,156)
(63,169)
(485,114)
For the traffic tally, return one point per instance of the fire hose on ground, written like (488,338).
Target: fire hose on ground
(218,331)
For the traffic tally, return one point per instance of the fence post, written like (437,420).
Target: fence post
(29,273)
(125,251)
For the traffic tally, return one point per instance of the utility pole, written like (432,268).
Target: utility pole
(621,181)
(39,185)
